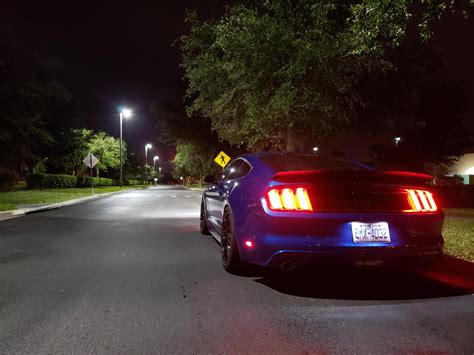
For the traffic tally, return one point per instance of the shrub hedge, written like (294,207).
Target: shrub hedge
(36,181)
(129,182)
(458,196)
(7,181)
(40,181)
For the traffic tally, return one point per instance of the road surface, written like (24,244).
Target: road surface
(131,273)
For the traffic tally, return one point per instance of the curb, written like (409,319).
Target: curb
(16,213)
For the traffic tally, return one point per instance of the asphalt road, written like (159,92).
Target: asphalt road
(131,273)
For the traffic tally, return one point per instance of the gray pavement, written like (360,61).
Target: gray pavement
(130,273)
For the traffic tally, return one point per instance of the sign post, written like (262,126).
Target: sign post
(91,161)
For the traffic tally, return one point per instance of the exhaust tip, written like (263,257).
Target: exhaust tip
(288,265)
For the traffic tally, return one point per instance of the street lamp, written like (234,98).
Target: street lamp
(397,140)
(315,149)
(147,146)
(124,112)
(155,158)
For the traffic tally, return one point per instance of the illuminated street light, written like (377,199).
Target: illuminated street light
(124,112)
(155,158)
(397,140)
(315,149)
(147,146)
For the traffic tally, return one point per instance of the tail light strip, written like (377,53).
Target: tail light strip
(421,201)
(297,199)
(289,199)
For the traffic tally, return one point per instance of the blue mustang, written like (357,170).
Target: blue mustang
(284,210)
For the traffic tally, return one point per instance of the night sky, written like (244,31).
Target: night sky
(112,53)
(119,52)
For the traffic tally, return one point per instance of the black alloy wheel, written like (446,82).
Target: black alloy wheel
(230,254)
(202,220)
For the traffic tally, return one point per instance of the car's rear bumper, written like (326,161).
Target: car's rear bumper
(360,257)
(329,236)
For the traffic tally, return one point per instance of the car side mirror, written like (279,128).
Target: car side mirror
(210,179)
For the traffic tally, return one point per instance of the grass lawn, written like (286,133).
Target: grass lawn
(9,200)
(459,233)
(459,212)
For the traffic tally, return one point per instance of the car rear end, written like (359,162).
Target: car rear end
(361,216)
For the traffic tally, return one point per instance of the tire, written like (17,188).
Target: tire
(229,252)
(203,221)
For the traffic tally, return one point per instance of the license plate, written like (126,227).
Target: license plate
(370,232)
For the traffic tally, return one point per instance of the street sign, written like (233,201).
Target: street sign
(222,159)
(91,160)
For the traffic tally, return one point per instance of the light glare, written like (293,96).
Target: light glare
(126,112)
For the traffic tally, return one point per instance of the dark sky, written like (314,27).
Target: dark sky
(119,52)
(113,52)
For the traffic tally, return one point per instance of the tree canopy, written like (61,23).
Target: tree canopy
(107,150)
(279,74)
(194,159)
(28,92)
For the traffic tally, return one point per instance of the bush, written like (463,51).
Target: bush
(7,181)
(85,181)
(129,182)
(38,181)
(456,196)
(42,181)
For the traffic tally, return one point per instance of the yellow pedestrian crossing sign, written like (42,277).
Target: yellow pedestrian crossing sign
(222,159)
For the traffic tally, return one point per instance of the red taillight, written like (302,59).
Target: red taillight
(248,244)
(421,201)
(288,199)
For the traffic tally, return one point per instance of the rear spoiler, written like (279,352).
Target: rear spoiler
(395,177)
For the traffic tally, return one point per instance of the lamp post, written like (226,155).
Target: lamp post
(397,140)
(155,158)
(315,149)
(147,146)
(124,112)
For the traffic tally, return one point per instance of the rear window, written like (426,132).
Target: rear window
(292,162)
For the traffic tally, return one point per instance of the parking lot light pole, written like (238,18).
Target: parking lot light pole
(147,146)
(124,112)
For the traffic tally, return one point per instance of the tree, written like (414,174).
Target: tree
(107,150)
(29,93)
(432,136)
(71,149)
(194,159)
(196,145)
(282,73)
